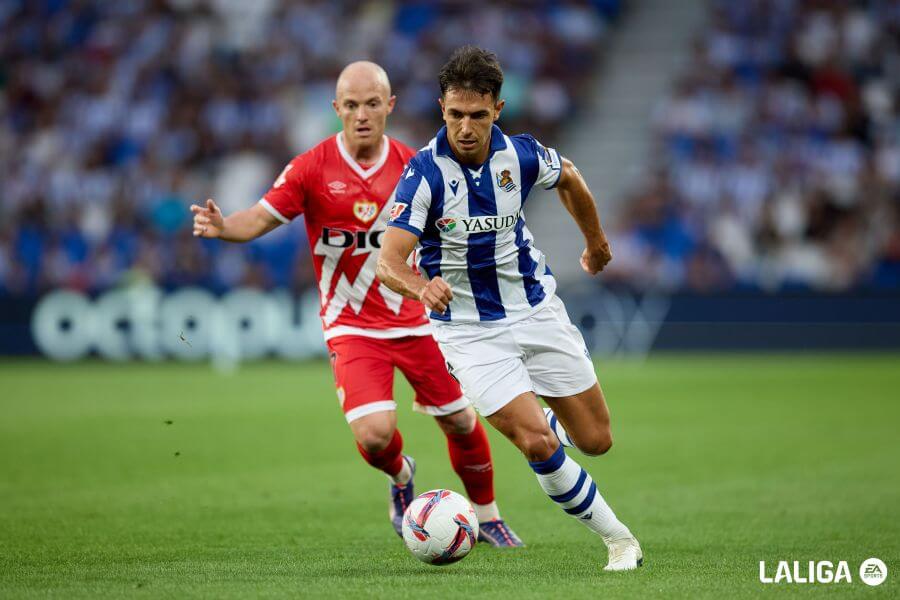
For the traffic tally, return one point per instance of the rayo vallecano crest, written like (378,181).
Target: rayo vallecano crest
(365,210)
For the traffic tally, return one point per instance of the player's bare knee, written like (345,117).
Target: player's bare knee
(595,443)
(459,423)
(374,438)
(537,445)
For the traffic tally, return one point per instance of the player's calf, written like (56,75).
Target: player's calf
(381,445)
(470,455)
(581,420)
(556,427)
(563,479)
(523,424)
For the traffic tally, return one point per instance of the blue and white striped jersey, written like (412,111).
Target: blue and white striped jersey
(471,227)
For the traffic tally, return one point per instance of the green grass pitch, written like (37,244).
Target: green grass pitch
(176,481)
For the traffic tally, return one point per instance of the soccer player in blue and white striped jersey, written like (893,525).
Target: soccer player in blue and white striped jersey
(503,331)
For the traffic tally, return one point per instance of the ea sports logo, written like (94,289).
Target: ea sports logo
(446,224)
(873,571)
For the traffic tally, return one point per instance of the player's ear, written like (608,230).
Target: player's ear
(443,110)
(390,104)
(498,107)
(334,105)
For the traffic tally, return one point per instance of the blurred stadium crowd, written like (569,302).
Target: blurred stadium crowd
(777,162)
(116,116)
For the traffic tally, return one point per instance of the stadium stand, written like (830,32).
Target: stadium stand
(777,156)
(114,117)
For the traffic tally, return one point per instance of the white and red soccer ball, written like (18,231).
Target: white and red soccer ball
(440,527)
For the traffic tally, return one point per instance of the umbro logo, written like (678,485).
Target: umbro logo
(337,187)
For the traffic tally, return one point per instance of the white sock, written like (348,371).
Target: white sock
(403,477)
(486,512)
(572,488)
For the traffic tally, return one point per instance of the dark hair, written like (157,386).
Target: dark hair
(474,69)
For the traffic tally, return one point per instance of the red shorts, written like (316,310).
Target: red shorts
(364,374)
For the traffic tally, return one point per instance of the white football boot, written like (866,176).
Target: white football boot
(624,555)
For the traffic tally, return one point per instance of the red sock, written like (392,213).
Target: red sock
(390,459)
(470,455)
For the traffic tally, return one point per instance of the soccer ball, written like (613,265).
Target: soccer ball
(440,527)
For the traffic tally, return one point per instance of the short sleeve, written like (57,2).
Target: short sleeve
(411,199)
(285,199)
(549,166)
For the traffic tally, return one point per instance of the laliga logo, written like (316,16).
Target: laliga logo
(872,572)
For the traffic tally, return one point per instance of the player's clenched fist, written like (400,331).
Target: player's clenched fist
(436,295)
(208,221)
(593,260)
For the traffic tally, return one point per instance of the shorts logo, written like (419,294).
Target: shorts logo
(364,210)
(397,210)
(504,180)
(446,224)
(340,395)
(337,187)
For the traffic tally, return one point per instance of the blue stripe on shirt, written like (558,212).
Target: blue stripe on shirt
(430,241)
(481,265)
(526,150)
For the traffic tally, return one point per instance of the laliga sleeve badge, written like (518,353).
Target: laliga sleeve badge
(397,210)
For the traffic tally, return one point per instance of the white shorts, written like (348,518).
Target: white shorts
(494,362)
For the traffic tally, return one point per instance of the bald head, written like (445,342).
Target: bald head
(362,77)
(363,101)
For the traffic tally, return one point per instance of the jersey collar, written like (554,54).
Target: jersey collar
(364,173)
(442,144)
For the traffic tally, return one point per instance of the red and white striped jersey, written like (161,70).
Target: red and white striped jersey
(346,207)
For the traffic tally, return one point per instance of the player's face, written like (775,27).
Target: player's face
(363,112)
(469,117)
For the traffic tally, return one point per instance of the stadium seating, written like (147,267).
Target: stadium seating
(777,160)
(117,116)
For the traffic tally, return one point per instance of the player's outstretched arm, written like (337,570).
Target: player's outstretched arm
(242,226)
(576,197)
(394,271)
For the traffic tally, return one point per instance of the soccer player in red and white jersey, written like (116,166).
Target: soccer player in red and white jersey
(342,187)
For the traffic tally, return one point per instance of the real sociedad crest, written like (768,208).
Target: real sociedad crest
(365,210)
(504,180)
